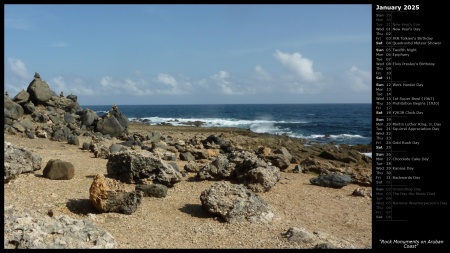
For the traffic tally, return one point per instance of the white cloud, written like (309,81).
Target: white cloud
(167,79)
(176,87)
(18,68)
(109,84)
(235,87)
(76,86)
(261,74)
(162,84)
(298,65)
(127,86)
(221,76)
(221,80)
(359,80)
(58,84)
(132,87)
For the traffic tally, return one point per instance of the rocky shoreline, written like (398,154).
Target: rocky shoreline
(196,183)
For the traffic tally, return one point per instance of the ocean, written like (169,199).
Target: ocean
(324,123)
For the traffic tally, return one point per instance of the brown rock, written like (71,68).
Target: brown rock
(59,170)
(98,192)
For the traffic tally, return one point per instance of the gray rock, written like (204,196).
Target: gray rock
(18,126)
(262,179)
(39,90)
(235,203)
(88,117)
(115,148)
(186,156)
(332,180)
(254,172)
(12,110)
(73,140)
(152,190)
(218,169)
(24,229)
(113,123)
(136,168)
(192,166)
(22,97)
(317,239)
(29,107)
(69,118)
(19,160)
(72,97)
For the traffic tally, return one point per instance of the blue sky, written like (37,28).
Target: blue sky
(192,54)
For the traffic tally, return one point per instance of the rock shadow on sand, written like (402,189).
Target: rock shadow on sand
(81,206)
(195,210)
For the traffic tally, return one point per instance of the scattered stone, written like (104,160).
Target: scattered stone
(152,190)
(108,195)
(19,160)
(137,168)
(57,169)
(24,229)
(332,180)
(235,203)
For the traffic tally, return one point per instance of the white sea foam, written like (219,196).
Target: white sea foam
(368,154)
(257,126)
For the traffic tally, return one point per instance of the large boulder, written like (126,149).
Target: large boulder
(21,97)
(88,117)
(39,90)
(235,203)
(12,110)
(113,123)
(138,168)
(56,169)
(19,160)
(28,229)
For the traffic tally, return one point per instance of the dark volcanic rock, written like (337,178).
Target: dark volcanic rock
(332,180)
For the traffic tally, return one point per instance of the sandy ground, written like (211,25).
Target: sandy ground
(178,220)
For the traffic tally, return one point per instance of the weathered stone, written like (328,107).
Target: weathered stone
(26,229)
(88,117)
(107,195)
(235,203)
(316,239)
(22,97)
(39,90)
(152,190)
(332,180)
(262,179)
(300,235)
(69,118)
(12,109)
(218,169)
(113,123)
(18,126)
(57,169)
(73,139)
(114,148)
(192,166)
(136,168)
(19,160)
(186,156)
